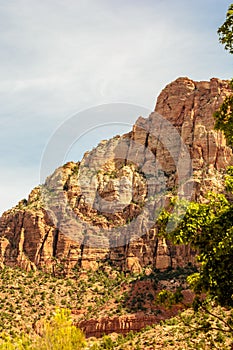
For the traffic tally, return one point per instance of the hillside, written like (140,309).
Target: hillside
(87,239)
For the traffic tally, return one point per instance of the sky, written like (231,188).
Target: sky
(62,57)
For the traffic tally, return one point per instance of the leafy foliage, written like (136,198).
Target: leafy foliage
(169,298)
(224,118)
(58,334)
(208,228)
(226,31)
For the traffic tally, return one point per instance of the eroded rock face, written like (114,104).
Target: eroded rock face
(122,325)
(189,106)
(105,207)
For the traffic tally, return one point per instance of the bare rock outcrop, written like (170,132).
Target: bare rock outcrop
(104,207)
(120,325)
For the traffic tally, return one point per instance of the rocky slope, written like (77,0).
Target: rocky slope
(104,208)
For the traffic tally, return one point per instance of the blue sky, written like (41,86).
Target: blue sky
(59,57)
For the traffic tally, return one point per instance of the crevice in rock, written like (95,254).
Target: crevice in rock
(146,140)
(127,153)
(179,121)
(208,150)
(170,253)
(55,242)
(216,158)
(81,253)
(194,122)
(16,237)
(155,251)
(38,255)
(66,187)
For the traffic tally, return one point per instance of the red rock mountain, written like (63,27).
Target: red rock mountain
(104,208)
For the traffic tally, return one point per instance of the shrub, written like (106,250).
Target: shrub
(60,334)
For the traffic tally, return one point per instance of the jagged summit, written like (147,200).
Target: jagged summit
(103,208)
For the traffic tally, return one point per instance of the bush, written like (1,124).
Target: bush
(58,334)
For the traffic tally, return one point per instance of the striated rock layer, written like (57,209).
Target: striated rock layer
(104,208)
(122,324)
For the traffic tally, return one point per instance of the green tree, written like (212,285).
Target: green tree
(226,31)
(224,116)
(208,228)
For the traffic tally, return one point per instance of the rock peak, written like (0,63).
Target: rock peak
(122,172)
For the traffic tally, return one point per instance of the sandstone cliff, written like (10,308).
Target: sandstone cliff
(104,208)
